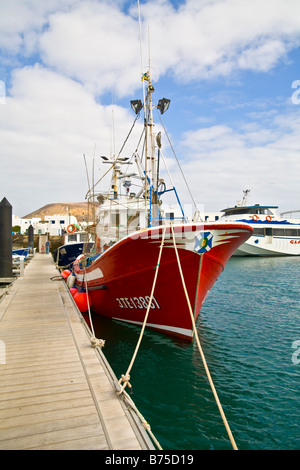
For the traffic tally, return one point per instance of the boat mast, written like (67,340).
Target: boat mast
(150,140)
(113,153)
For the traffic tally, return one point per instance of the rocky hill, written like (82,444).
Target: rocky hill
(77,209)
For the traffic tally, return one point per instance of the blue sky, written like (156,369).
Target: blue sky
(228,67)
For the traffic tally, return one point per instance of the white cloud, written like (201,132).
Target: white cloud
(20,19)
(46,125)
(220,160)
(97,43)
(209,38)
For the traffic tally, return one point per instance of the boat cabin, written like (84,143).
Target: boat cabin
(76,237)
(250,210)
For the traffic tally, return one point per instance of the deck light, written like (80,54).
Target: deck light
(136,106)
(163,105)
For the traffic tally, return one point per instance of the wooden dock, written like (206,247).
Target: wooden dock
(56,390)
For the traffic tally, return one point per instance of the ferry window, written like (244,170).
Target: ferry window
(239,211)
(269,232)
(258,231)
(265,211)
(291,232)
(278,232)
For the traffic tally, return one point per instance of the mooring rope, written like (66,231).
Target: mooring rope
(200,349)
(125,378)
(95,342)
(145,424)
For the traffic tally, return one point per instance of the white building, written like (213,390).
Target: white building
(53,224)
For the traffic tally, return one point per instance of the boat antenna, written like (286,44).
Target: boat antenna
(88,180)
(87,173)
(144,78)
(245,197)
(93,203)
(141,52)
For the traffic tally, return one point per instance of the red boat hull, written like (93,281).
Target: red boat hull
(120,281)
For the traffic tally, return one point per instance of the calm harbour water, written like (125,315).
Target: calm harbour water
(247,327)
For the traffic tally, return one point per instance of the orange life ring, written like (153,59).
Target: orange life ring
(255,217)
(71,228)
(268,218)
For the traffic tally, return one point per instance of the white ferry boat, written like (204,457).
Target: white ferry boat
(273,234)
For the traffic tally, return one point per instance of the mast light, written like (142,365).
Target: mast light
(163,105)
(136,105)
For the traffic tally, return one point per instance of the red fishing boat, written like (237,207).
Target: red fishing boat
(119,282)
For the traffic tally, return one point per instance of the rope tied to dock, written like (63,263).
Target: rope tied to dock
(126,382)
(200,349)
(143,421)
(125,378)
(95,342)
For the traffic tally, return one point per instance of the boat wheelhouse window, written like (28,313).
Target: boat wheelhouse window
(239,211)
(83,237)
(115,218)
(72,238)
(264,211)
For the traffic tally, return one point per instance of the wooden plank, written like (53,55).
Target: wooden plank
(56,439)
(28,409)
(46,399)
(54,390)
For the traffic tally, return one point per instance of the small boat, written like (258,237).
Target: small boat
(76,243)
(20,255)
(149,260)
(21,252)
(273,235)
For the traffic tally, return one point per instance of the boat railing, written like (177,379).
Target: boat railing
(290,214)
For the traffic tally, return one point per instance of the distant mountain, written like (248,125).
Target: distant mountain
(77,209)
